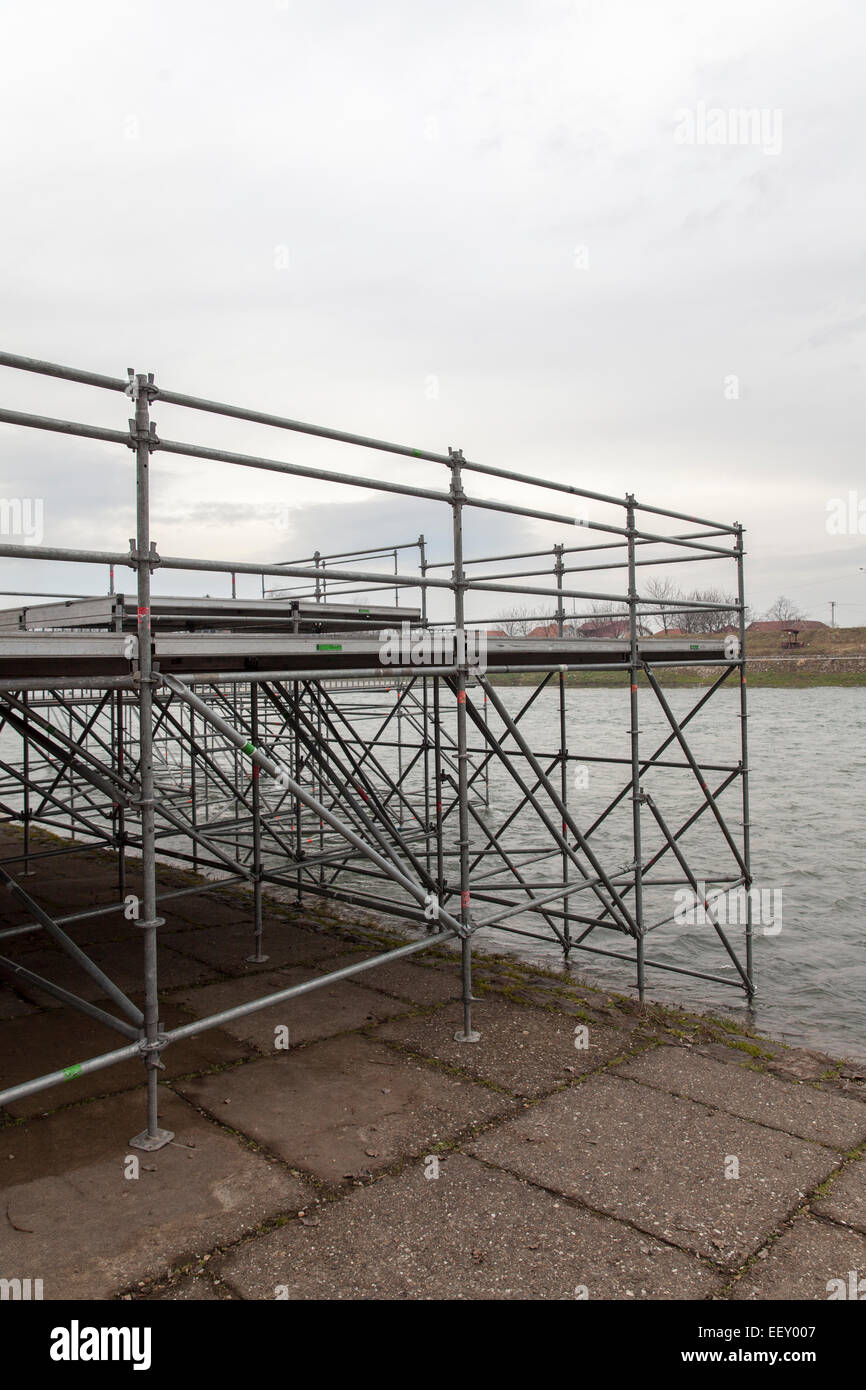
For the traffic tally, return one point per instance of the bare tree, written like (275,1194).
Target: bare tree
(697,620)
(783,611)
(516,622)
(608,608)
(664,590)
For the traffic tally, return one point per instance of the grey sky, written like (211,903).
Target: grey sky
(467,224)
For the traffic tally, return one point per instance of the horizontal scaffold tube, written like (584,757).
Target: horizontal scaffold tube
(31,364)
(324,475)
(387,581)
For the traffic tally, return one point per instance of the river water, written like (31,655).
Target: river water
(808,817)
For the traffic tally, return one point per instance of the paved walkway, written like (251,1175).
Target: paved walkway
(586,1147)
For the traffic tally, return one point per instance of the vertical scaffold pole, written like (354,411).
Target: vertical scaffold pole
(141,389)
(26,772)
(636,792)
(425,717)
(296,802)
(120,818)
(257,957)
(559,571)
(439,788)
(422,552)
(457,495)
(744,755)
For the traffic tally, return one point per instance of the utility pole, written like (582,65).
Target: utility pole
(832,612)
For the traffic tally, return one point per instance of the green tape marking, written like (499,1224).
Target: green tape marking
(249,748)
(694,646)
(69,1073)
(329,646)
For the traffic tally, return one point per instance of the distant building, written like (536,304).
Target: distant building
(604,628)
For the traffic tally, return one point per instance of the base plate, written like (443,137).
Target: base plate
(151,1142)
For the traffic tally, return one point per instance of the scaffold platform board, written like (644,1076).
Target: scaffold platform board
(119,613)
(88,656)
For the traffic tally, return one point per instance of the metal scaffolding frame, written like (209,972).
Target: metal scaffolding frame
(226,736)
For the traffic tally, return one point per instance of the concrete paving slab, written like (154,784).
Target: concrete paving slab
(12,1005)
(660,1161)
(227,948)
(193,1288)
(86,932)
(796,1108)
(45,1042)
(212,911)
(73,1219)
(65,886)
(470,1233)
(344,1107)
(332,1009)
(517,982)
(811,1260)
(106,927)
(70,888)
(122,962)
(846,1199)
(649,1155)
(527,1051)
(404,979)
(796,1063)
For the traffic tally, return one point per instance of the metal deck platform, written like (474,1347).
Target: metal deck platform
(119,613)
(87,657)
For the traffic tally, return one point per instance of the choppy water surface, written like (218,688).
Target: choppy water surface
(808,788)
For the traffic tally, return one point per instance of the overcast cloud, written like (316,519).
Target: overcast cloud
(469,224)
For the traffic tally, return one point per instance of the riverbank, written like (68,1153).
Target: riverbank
(828,656)
(788,673)
(586,1146)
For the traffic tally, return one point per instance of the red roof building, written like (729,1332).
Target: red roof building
(605,628)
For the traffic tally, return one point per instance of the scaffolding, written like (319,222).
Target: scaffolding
(326,742)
